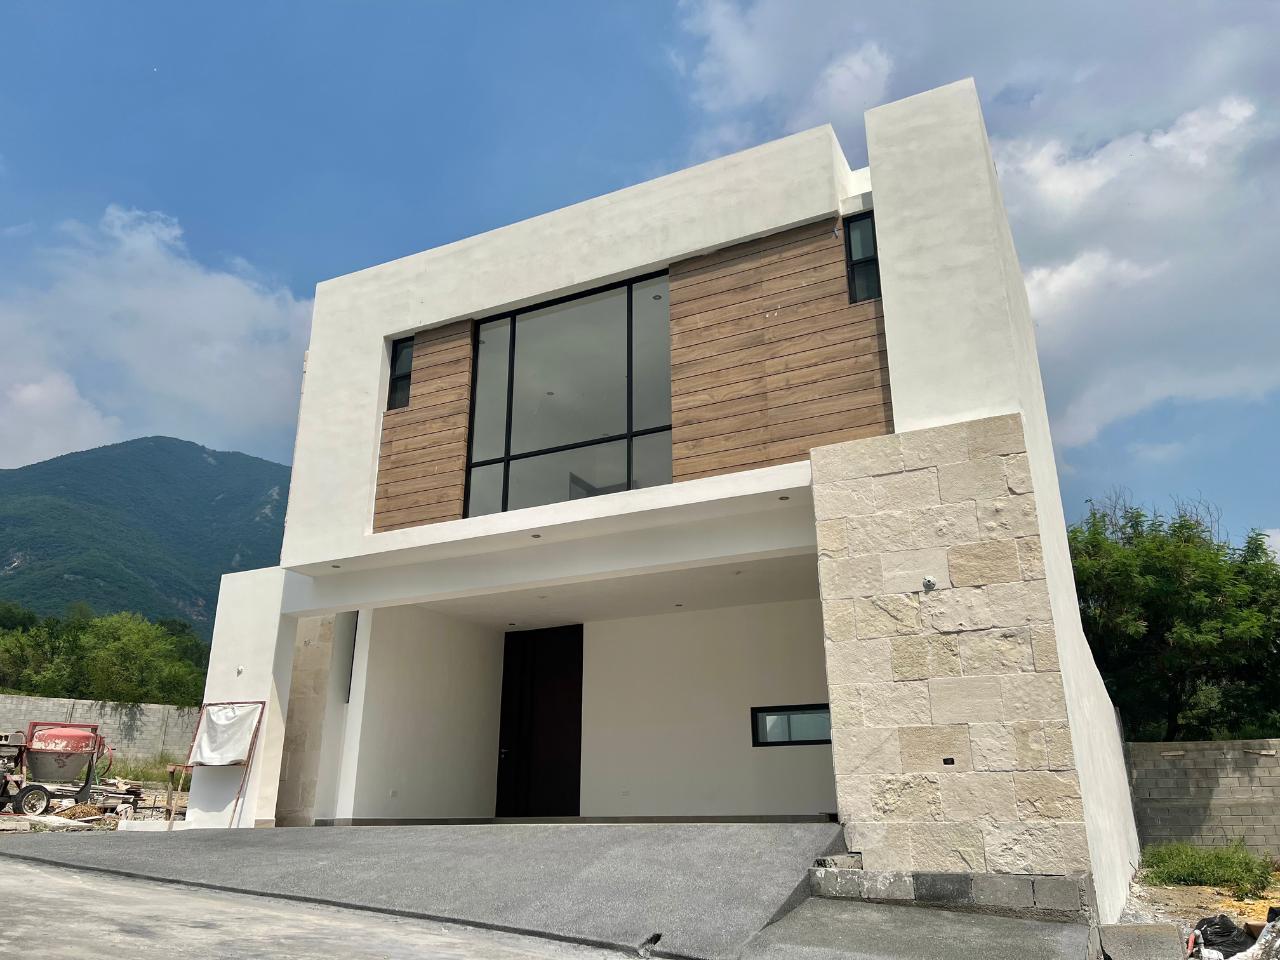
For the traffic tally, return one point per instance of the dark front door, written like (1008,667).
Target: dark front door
(540,741)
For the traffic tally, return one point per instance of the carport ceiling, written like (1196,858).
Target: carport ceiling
(700,588)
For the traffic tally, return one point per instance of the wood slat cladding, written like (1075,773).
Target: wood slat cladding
(768,357)
(422,460)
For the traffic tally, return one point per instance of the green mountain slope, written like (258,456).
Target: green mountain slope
(148,525)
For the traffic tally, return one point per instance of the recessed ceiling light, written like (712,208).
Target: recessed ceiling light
(679,604)
(510,624)
(535,536)
(542,596)
(784,498)
(657,296)
(737,573)
(336,566)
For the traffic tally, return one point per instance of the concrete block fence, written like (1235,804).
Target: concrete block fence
(131,729)
(1208,793)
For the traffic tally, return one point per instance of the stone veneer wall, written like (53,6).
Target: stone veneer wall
(301,758)
(1208,793)
(949,726)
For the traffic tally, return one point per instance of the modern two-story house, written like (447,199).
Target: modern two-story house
(727,495)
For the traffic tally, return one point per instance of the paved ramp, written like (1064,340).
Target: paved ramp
(707,888)
(851,930)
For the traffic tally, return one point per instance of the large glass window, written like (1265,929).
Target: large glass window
(572,399)
(861,257)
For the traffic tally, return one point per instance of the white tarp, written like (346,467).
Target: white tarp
(225,735)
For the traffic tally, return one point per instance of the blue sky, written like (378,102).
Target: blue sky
(175,178)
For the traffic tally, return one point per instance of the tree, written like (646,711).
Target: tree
(1185,627)
(121,657)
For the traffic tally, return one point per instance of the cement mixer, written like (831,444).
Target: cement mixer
(55,760)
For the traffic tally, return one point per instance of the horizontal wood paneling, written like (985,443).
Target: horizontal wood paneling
(422,458)
(768,357)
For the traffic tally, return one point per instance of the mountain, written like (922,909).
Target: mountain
(148,525)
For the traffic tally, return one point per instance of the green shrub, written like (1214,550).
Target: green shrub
(1233,867)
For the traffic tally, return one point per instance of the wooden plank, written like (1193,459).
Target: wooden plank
(757,289)
(772,432)
(707,393)
(445,441)
(777,350)
(447,434)
(760,245)
(436,512)
(444,474)
(446,452)
(689,294)
(841,350)
(827,370)
(690,336)
(763,304)
(683,278)
(460,328)
(419,498)
(410,427)
(439,353)
(425,404)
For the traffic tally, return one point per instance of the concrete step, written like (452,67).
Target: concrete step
(853,930)
(1143,941)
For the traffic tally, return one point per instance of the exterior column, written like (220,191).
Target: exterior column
(950,735)
(251,659)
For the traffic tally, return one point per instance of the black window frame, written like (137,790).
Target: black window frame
(507,456)
(789,709)
(395,379)
(850,263)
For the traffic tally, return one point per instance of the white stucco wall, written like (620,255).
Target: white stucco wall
(336,707)
(791,181)
(666,713)
(961,346)
(251,659)
(430,713)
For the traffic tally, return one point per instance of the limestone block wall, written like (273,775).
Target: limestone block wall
(951,745)
(1208,794)
(301,758)
(132,729)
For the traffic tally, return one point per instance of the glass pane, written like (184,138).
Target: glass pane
(398,395)
(650,355)
(651,460)
(866,281)
(489,426)
(402,357)
(567,475)
(571,373)
(772,728)
(811,726)
(862,238)
(485,493)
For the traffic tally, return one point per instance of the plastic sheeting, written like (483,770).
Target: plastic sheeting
(225,735)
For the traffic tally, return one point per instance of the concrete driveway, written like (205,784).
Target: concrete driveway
(81,915)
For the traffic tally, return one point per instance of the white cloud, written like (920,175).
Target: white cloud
(43,417)
(1141,189)
(1273,539)
(1158,452)
(760,69)
(119,331)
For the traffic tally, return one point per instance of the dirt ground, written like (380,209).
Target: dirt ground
(1185,906)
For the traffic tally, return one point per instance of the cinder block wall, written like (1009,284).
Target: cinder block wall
(951,744)
(131,729)
(1208,793)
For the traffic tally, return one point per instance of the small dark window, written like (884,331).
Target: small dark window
(860,257)
(779,726)
(401,373)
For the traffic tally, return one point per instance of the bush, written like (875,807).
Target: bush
(1232,867)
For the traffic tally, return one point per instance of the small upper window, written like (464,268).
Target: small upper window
(860,257)
(802,724)
(401,373)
